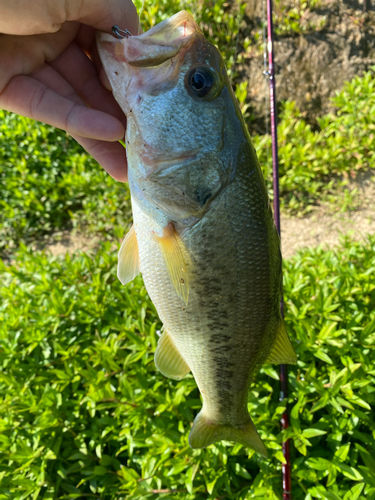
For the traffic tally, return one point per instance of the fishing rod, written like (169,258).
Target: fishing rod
(287,494)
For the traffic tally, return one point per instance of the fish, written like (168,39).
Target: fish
(203,234)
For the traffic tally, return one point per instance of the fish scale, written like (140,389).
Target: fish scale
(203,235)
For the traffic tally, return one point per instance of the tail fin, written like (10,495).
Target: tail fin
(204,433)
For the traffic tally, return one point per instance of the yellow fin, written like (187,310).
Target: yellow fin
(174,260)
(282,350)
(168,360)
(204,433)
(128,258)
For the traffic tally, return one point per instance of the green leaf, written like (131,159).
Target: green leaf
(280,456)
(348,471)
(211,485)
(342,452)
(354,493)
(100,471)
(241,471)
(336,405)
(309,433)
(323,356)
(318,463)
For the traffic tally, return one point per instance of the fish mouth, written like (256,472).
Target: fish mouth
(154,47)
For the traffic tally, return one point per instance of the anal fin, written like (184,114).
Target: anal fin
(282,350)
(174,261)
(168,360)
(128,258)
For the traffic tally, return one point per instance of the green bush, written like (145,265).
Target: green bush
(314,163)
(293,18)
(48,182)
(85,413)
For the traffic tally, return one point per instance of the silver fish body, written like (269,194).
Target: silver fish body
(203,236)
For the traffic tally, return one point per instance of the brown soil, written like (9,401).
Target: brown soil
(324,227)
(66,242)
(336,43)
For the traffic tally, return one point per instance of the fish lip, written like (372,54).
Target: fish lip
(178,33)
(175,20)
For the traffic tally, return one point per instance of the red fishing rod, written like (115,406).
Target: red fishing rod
(287,494)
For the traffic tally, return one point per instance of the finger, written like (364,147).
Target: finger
(95,58)
(22,55)
(110,155)
(103,14)
(77,69)
(29,97)
(86,40)
(54,81)
(47,16)
(22,17)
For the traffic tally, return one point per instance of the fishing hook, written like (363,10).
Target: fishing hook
(119,33)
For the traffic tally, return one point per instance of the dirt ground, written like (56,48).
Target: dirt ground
(335,42)
(324,230)
(69,242)
(323,227)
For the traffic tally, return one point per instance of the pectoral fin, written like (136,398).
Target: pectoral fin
(282,350)
(174,260)
(168,360)
(128,258)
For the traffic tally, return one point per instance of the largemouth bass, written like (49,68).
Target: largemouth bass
(203,235)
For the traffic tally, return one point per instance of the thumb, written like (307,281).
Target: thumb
(47,16)
(103,14)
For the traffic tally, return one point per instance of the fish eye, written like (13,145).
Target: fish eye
(201,81)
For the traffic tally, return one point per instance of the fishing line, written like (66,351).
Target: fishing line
(287,494)
(265,73)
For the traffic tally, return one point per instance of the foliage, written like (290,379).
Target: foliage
(47,182)
(294,18)
(85,413)
(313,163)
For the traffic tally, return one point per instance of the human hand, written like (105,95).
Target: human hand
(53,73)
